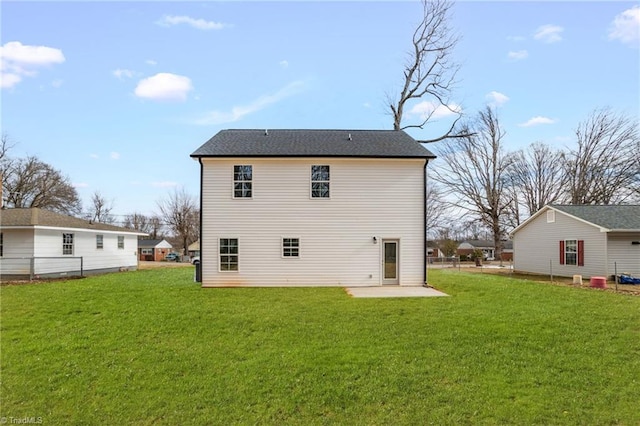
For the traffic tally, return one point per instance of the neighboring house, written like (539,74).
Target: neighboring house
(569,240)
(39,242)
(467,247)
(194,249)
(312,208)
(433,250)
(153,250)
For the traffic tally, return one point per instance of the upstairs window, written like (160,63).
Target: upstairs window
(67,243)
(291,247)
(320,182)
(121,241)
(242,181)
(99,241)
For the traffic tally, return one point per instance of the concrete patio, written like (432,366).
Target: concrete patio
(393,291)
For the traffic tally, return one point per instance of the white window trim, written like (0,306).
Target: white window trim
(220,254)
(72,243)
(234,181)
(566,246)
(311,182)
(282,238)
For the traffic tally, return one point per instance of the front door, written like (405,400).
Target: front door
(390,249)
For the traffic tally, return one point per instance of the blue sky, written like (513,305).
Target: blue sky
(117,95)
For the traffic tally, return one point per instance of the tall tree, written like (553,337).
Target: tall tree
(604,167)
(100,209)
(29,182)
(474,170)
(436,208)
(430,70)
(152,225)
(180,213)
(538,176)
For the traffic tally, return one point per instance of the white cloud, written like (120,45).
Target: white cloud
(164,87)
(80,185)
(626,27)
(537,120)
(366,105)
(121,73)
(549,33)
(496,98)
(19,60)
(516,38)
(238,112)
(284,64)
(57,83)
(165,184)
(8,80)
(426,109)
(200,24)
(95,156)
(114,155)
(151,62)
(518,55)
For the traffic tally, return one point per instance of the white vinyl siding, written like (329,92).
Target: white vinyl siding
(536,246)
(369,197)
(624,257)
(47,243)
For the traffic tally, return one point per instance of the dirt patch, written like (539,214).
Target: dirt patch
(153,265)
(611,286)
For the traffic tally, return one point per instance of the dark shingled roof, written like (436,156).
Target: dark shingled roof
(149,243)
(40,217)
(313,143)
(618,217)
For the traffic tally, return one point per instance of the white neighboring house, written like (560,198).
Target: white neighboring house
(37,242)
(312,208)
(587,240)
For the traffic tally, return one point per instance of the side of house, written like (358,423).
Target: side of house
(623,252)
(39,242)
(287,237)
(312,208)
(153,249)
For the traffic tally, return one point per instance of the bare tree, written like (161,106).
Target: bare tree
(100,209)
(181,215)
(430,70)
(436,208)
(604,167)
(538,176)
(474,172)
(151,225)
(5,145)
(30,182)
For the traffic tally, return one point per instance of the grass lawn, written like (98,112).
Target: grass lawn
(152,347)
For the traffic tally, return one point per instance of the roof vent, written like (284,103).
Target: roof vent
(349,136)
(266,132)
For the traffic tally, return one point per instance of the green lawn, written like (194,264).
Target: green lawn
(152,347)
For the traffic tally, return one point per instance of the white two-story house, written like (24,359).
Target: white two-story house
(312,208)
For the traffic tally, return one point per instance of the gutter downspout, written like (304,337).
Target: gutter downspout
(201,191)
(424,230)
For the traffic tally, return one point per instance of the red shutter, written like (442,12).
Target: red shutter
(580,252)
(562,252)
